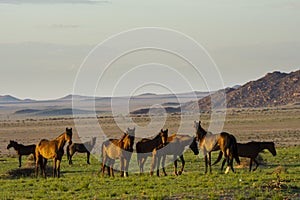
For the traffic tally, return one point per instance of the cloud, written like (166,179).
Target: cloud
(53,1)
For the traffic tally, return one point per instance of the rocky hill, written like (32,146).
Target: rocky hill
(274,89)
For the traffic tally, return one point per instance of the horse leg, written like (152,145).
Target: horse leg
(142,162)
(122,166)
(112,168)
(209,162)
(58,168)
(20,158)
(183,164)
(175,165)
(88,157)
(205,157)
(250,164)
(37,162)
(257,163)
(71,156)
(43,166)
(231,163)
(54,167)
(158,165)
(223,163)
(153,164)
(163,164)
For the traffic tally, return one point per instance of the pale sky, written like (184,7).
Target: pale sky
(43,42)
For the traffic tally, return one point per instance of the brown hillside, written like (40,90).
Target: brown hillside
(274,89)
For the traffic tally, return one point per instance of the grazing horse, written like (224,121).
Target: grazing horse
(175,146)
(209,142)
(122,149)
(22,149)
(80,148)
(251,150)
(145,147)
(53,149)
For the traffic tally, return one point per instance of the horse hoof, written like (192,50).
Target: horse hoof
(180,172)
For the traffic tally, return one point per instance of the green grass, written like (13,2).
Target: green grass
(279,179)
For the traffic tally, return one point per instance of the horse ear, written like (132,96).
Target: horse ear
(161,130)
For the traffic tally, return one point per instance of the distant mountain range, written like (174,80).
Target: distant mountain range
(63,106)
(274,89)
(12,99)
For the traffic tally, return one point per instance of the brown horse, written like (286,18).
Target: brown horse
(175,146)
(53,149)
(209,142)
(22,149)
(80,148)
(145,147)
(251,150)
(122,149)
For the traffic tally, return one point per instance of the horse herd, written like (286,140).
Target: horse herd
(157,148)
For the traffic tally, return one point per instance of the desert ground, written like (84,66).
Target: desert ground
(280,125)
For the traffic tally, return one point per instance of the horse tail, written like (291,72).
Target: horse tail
(235,150)
(219,158)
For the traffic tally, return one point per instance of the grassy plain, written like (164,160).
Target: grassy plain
(278,178)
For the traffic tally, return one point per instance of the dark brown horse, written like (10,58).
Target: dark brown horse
(22,149)
(122,149)
(251,150)
(53,149)
(175,146)
(209,142)
(80,148)
(145,147)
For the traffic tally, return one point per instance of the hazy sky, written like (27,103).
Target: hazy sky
(43,42)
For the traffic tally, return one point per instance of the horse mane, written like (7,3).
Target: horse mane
(60,135)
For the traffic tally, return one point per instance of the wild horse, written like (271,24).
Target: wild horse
(145,147)
(80,148)
(251,150)
(175,146)
(22,150)
(209,142)
(122,149)
(53,149)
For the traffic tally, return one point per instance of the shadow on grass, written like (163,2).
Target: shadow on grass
(25,172)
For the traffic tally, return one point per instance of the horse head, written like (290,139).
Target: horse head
(131,133)
(11,142)
(194,146)
(68,135)
(164,136)
(200,132)
(126,142)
